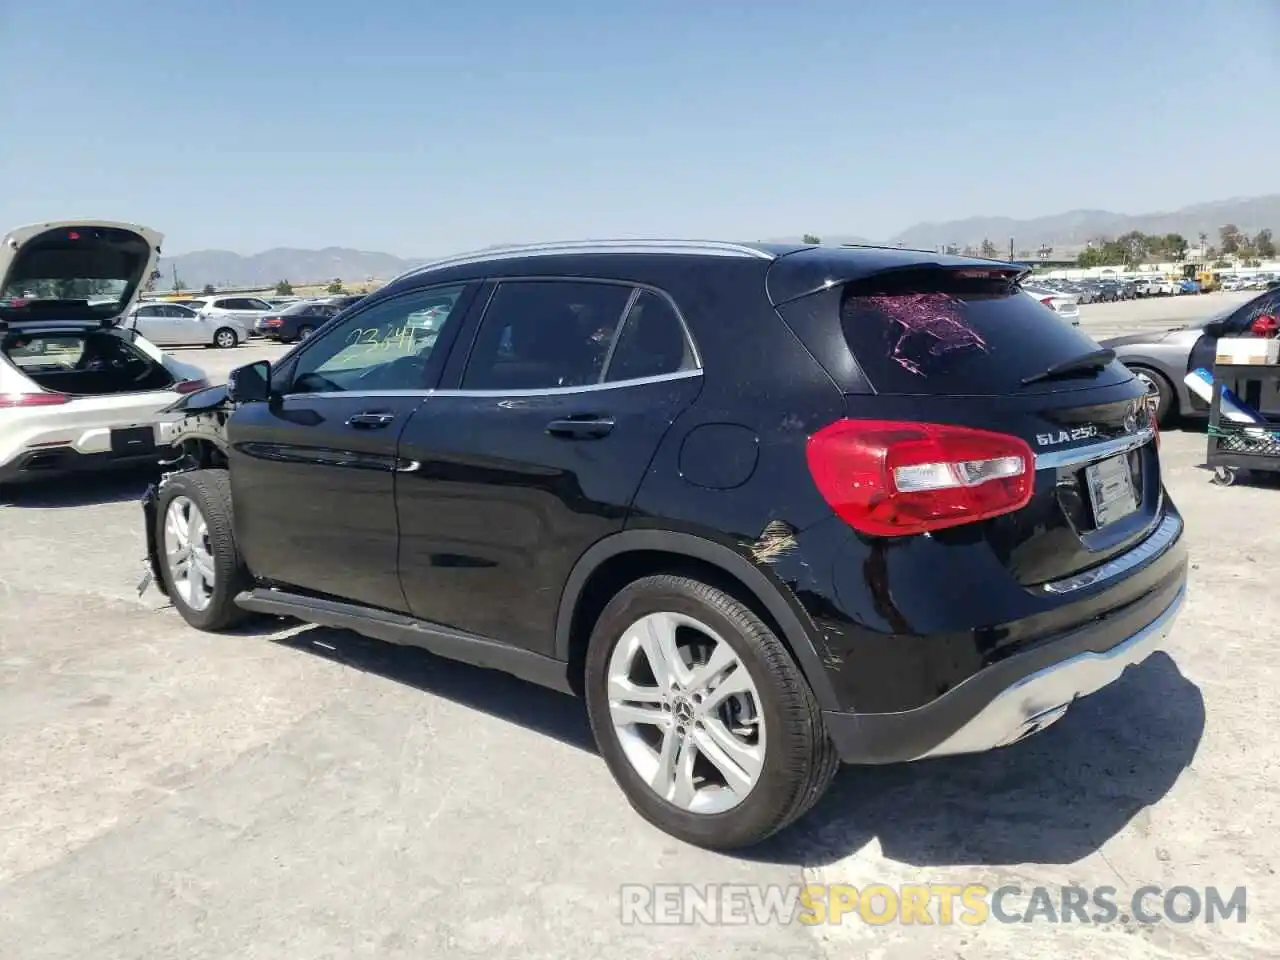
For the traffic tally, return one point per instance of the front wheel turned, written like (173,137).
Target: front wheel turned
(702,716)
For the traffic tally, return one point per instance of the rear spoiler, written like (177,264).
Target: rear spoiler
(815,269)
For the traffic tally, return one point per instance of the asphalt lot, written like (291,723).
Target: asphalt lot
(303,793)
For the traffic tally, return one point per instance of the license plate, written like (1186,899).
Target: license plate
(133,441)
(1111,489)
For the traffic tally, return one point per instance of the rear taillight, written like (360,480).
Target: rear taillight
(889,478)
(1048,302)
(33,399)
(272,322)
(190,386)
(1265,326)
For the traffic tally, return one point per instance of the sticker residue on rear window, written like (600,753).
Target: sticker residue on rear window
(932,324)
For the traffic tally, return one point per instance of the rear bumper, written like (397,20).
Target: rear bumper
(1010,699)
(63,461)
(44,449)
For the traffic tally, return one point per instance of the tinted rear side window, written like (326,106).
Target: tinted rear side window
(962,333)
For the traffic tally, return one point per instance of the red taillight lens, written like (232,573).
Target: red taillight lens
(33,399)
(1265,326)
(190,386)
(272,322)
(1047,302)
(890,479)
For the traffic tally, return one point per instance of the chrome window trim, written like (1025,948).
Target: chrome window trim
(542,392)
(1093,451)
(709,248)
(1165,533)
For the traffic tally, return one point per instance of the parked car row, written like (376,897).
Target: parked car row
(228,321)
(1257,281)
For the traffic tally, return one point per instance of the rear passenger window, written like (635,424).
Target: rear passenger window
(544,335)
(652,341)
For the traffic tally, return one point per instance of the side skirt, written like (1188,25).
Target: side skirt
(408,631)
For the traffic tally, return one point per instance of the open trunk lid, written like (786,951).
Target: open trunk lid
(77,272)
(962,345)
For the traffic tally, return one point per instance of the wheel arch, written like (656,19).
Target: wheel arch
(623,557)
(1146,361)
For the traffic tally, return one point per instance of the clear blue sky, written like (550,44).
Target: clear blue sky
(421,127)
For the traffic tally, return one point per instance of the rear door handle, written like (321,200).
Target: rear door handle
(371,419)
(587,427)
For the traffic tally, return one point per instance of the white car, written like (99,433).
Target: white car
(76,390)
(1064,305)
(246,311)
(171,324)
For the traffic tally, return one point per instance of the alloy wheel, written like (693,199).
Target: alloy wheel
(686,713)
(225,339)
(189,553)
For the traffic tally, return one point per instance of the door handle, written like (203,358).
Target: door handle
(371,420)
(586,427)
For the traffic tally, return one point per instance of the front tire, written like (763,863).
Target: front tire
(199,559)
(702,716)
(225,338)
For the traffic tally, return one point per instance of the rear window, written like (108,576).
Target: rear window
(956,332)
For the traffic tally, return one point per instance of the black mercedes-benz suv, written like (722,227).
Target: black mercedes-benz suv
(766,508)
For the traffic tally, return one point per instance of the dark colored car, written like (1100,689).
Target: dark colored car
(767,508)
(296,321)
(299,320)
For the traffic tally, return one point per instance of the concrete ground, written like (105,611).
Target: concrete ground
(304,793)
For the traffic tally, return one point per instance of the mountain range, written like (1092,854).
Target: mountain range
(1062,231)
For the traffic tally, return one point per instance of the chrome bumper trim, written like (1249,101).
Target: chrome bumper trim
(1094,451)
(1160,539)
(1035,702)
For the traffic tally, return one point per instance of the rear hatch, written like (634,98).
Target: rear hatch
(963,346)
(87,272)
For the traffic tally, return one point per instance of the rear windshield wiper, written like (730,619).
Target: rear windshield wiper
(1094,360)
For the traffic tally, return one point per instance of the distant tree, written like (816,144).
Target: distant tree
(335,286)
(178,285)
(1231,238)
(970,251)
(1174,246)
(208,290)
(1203,240)
(1263,245)
(988,249)
(284,289)
(810,238)
(1221,264)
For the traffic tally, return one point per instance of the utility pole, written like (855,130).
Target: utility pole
(1011,248)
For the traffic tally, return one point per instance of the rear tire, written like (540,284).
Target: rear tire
(225,338)
(746,763)
(304,333)
(199,560)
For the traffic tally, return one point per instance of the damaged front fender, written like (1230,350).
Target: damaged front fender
(149,502)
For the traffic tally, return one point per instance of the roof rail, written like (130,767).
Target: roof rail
(712,248)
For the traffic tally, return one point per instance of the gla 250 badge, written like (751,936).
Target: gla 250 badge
(1066,436)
